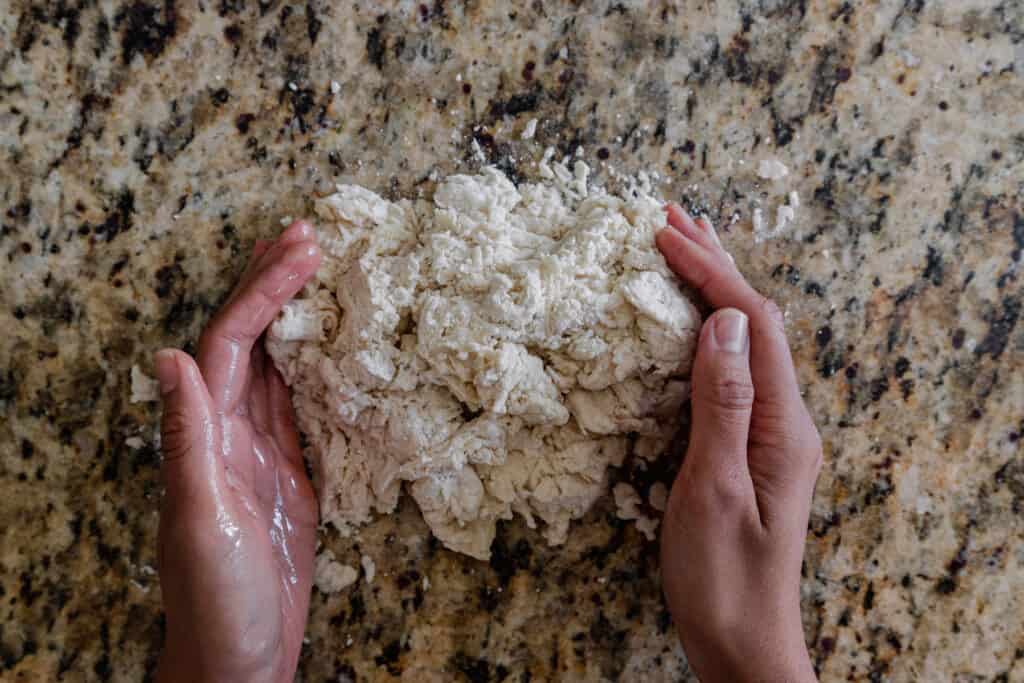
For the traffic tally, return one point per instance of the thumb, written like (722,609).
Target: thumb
(187,428)
(723,396)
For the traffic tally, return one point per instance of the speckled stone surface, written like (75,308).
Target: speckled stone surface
(145,145)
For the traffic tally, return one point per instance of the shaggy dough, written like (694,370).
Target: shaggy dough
(491,349)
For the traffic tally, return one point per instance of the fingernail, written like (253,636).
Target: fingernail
(730,331)
(166,370)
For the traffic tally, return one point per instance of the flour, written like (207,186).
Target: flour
(629,506)
(332,576)
(489,351)
(143,387)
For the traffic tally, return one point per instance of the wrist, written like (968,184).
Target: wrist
(740,659)
(182,663)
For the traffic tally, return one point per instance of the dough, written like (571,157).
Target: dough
(330,575)
(490,351)
(143,387)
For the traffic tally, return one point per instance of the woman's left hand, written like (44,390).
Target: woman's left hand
(238,521)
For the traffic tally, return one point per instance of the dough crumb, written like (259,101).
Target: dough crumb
(144,388)
(135,442)
(628,506)
(332,576)
(627,501)
(658,496)
(648,526)
(369,568)
(772,169)
(529,130)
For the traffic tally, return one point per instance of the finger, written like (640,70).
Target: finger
(258,401)
(296,232)
(679,219)
(189,467)
(259,248)
(226,343)
(282,416)
(295,487)
(723,397)
(718,281)
(704,223)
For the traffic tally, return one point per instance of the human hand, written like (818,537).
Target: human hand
(238,519)
(736,519)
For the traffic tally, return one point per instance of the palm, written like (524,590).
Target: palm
(238,528)
(273,506)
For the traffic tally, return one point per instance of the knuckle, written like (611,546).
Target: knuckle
(175,430)
(731,390)
(729,491)
(713,493)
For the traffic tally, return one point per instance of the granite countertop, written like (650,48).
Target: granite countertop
(145,145)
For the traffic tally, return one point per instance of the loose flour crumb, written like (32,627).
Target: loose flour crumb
(330,575)
(648,526)
(143,387)
(627,501)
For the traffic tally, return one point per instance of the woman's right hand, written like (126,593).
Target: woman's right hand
(736,520)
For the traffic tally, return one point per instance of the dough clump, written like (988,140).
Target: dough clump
(491,351)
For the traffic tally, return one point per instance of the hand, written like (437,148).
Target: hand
(736,520)
(238,520)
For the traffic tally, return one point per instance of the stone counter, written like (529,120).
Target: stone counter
(145,145)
